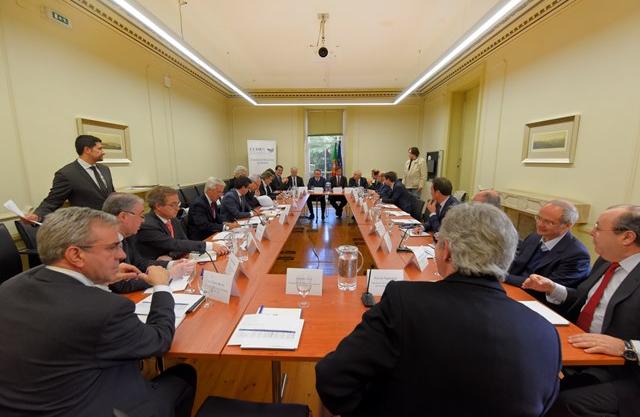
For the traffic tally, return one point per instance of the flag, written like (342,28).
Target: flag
(334,159)
(340,154)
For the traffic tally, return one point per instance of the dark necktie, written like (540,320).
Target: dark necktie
(101,183)
(295,184)
(586,315)
(242,205)
(213,209)
(535,259)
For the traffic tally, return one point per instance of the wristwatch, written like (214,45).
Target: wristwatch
(629,352)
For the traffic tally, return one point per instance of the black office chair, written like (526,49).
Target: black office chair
(226,407)
(28,233)
(189,192)
(10,262)
(418,207)
(200,188)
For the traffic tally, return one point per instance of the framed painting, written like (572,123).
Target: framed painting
(551,141)
(114,136)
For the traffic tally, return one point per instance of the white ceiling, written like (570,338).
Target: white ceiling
(373,44)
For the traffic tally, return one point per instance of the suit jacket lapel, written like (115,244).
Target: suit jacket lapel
(556,252)
(83,173)
(626,288)
(585,286)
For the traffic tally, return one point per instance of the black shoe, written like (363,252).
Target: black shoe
(311,216)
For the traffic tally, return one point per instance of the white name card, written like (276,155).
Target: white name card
(287,210)
(379,279)
(253,245)
(318,190)
(348,190)
(233,265)
(421,255)
(262,233)
(365,206)
(294,273)
(302,190)
(218,286)
(282,218)
(380,228)
(386,242)
(337,189)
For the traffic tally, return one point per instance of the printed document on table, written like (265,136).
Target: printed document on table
(265,331)
(406,221)
(397,213)
(176,284)
(286,312)
(222,236)
(551,316)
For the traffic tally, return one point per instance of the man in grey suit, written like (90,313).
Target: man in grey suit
(72,348)
(83,182)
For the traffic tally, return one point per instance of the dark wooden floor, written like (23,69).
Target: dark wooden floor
(251,379)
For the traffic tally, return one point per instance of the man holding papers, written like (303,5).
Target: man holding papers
(69,347)
(606,306)
(457,347)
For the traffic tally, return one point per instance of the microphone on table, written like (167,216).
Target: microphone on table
(367,297)
(401,247)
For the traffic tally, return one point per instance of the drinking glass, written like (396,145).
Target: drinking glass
(189,288)
(240,238)
(303,284)
(206,291)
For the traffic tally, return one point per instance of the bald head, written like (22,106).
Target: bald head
(488,197)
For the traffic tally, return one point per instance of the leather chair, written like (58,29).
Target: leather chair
(28,233)
(418,208)
(226,407)
(189,193)
(10,262)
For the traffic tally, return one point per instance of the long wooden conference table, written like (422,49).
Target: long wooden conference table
(329,318)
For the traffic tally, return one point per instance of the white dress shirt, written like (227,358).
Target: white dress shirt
(87,167)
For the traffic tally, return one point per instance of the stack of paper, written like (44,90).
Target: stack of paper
(184,303)
(551,316)
(267,331)
(175,284)
(253,220)
(417,234)
(203,257)
(397,213)
(222,236)
(265,201)
(406,221)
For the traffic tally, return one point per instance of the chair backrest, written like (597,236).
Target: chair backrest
(190,193)
(417,209)
(27,234)
(200,188)
(10,262)
(460,195)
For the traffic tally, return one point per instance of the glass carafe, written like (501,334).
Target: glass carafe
(348,267)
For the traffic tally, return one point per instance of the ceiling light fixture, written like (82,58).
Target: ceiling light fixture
(483,27)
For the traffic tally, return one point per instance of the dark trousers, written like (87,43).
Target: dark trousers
(174,390)
(319,198)
(338,202)
(584,395)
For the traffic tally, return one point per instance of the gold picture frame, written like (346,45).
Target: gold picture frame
(551,141)
(115,139)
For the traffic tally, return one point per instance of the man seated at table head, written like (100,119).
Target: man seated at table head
(314,182)
(265,187)
(399,195)
(239,171)
(456,347)
(440,203)
(338,201)
(234,203)
(488,197)
(128,210)
(294,180)
(606,306)
(162,233)
(552,251)
(69,347)
(279,183)
(204,213)
(358,180)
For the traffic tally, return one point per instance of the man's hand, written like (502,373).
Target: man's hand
(538,283)
(30,218)
(220,249)
(418,229)
(126,272)
(285,180)
(431,206)
(598,343)
(257,211)
(156,275)
(181,268)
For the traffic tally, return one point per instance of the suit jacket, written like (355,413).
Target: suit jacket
(621,321)
(334,181)
(277,184)
(155,240)
(313,183)
(252,200)
(567,263)
(362,182)
(201,221)
(73,183)
(229,184)
(267,191)
(231,208)
(400,197)
(384,190)
(81,357)
(457,347)
(130,248)
(433,222)
(299,182)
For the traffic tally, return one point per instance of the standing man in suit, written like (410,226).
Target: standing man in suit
(294,180)
(605,306)
(204,215)
(358,180)
(83,182)
(415,172)
(162,234)
(441,202)
(412,352)
(316,181)
(338,201)
(398,193)
(234,203)
(279,184)
(73,349)
(128,209)
(552,251)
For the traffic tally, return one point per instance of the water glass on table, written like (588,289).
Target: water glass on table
(303,284)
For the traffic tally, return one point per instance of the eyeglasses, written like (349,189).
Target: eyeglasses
(141,215)
(174,205)
(546,222)
(596,228)
(110,247)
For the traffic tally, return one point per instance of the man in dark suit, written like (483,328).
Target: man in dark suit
(204,216)
(279,184)
(294,180)
(457,347)
(73,349)
(376,180)
(398,195)
(234,204)
(358,180)
(316,181)
(338,201)
(442,201)
(83,182)
(128,209)
(265,188)
(162,234)
(238,172)
(552,251)
(606,306)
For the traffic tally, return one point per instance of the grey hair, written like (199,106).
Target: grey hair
(116,203)
(482,239)
(69,227)
(255,178)
(488,197)
(240,170)
(629,220)
(569,211)
(213,182)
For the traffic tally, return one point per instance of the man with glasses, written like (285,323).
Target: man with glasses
(69,348)
(552,251)
(606,307)
(161,234)
(128,209)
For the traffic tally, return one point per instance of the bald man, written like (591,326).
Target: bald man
(488,197)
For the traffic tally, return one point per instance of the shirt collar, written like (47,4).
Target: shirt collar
(444,201)
(550,244)
(78,276)
(208,199)
(84,164)
(165,221)
(630,262)
(239,195)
